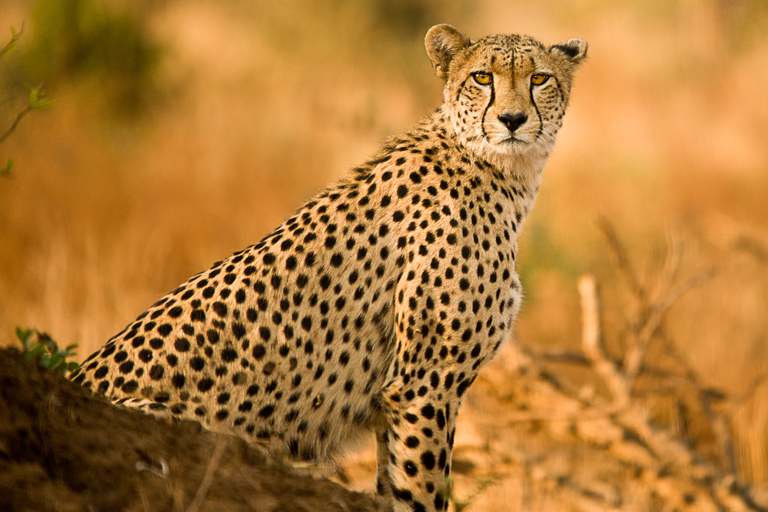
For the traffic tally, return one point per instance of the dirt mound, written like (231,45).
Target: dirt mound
(63,449)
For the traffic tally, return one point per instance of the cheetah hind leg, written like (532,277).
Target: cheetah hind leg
(146,406)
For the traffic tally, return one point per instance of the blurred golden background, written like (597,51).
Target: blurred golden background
(183,131)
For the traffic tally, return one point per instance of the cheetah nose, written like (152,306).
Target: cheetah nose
(513,121)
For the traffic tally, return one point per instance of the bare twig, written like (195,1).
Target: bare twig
(621,259)
(656,313)
(592,343)
(740,400)
(205,485)
(671,264)
(26,110)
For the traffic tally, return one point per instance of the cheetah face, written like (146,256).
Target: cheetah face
(505,95)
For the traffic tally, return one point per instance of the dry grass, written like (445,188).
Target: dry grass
(665,137)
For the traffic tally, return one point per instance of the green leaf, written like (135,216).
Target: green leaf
(23,334)
(55,361)
(34,354)
(5,171)
(36,100)
(12,43)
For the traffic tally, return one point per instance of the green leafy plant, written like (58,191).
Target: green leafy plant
(35,101)
(41,350)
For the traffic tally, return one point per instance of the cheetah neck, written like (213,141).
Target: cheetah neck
(518,171)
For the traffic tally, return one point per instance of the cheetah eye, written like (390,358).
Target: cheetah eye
(539,79)
(482,78)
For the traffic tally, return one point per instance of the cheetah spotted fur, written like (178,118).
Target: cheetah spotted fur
(376,304)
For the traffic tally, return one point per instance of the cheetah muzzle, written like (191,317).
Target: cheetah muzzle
(376,304)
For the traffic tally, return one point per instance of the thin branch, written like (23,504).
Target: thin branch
(671,265)
(205,485)
(622,259)
(743,398)
(564,357)
(16,121)
(634,357)
(592,343)
(752,246)
(14,39)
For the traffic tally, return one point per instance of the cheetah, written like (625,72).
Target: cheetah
(375,305)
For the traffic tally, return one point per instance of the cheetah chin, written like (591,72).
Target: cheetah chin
(378,302)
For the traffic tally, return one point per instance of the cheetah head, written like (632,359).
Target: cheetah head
(504,95)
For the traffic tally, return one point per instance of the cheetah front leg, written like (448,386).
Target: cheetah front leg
(414,452)
(443,336)
(383,484)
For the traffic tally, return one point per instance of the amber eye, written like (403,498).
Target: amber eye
(482,77)
(539,79)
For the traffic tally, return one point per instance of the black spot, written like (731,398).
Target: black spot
(238,330)
(220,309)
(410,468)
(259,351)
(463,387)
(156,372)
(428,460)
(178,380)
(181,344)
(228,355)
(266,411)
(130,386)
(204,385)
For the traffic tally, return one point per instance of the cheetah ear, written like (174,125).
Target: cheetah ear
(574,49)
(443,42)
